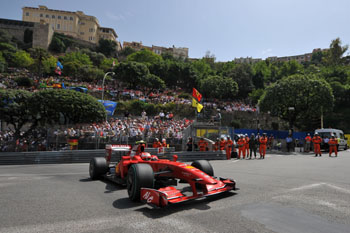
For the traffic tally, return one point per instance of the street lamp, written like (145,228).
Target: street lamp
(291,110)
(103,83)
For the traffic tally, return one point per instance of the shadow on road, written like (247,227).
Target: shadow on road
(110,186)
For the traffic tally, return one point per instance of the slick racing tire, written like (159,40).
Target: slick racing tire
(98,167)
(140,175)
(204,166)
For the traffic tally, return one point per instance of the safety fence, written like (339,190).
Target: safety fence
(84,156)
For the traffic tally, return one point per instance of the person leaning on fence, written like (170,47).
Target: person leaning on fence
(253,142)
(308,143)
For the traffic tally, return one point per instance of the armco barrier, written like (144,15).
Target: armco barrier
(84,156)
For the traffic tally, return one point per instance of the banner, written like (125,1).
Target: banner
(197,105)
(110,106)
(196,95)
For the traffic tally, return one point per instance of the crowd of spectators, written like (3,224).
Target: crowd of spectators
(116,91)
(115,130)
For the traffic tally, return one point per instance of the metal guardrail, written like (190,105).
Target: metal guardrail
(84,156)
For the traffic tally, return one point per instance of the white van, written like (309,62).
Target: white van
(337,133)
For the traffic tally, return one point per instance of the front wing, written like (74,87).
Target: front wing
(170,195)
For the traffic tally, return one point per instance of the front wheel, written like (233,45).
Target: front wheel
(140,175)
(204,166)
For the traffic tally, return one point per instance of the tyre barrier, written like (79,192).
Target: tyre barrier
(84,156)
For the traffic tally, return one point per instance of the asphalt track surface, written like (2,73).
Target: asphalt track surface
(283,193)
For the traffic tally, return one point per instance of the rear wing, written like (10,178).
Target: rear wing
(115,152)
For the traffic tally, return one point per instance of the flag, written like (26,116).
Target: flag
(196,95)
(59,68)
(197,105)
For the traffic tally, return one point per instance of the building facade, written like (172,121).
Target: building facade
(176,52)
(248,60)
(75,24)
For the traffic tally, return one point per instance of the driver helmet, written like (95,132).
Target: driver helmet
(146,156)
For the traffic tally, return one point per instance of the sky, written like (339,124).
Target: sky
(227,28)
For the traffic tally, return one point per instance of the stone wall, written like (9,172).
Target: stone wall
(42,33)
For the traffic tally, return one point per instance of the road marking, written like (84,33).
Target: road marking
(304,187)
(234,161)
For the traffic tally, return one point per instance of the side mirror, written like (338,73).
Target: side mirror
(175,158)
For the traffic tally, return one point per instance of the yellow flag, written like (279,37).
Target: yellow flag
(197,105)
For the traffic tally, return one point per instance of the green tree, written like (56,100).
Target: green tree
(49,65)
(256,95)
(15,110)
(202,68)
(132,73)
(107,47)
(57,45)
(299,99)
(107,64)
(290,68)
(75,107)
(242,74)
(145,56)
(153,82)
(22,59)
(74,62)
(3,63)
(334,55)
(218,87)
(261,73)
(95,57)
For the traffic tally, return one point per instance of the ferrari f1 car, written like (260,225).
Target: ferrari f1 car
(152,180)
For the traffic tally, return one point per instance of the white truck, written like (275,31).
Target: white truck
(342,141)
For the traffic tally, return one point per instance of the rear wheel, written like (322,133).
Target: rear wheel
(204,166)
(98,167)
(140,175)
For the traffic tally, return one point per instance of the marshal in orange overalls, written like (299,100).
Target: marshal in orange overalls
(241,147)
(262,147)
(317,145)
(333,146)
(229,144)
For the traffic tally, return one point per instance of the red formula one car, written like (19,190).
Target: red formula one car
(152,180)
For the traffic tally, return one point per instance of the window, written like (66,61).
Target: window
(81,33)
(70,28)
(27,13)
(59,17)
(65,17)
(47,16)
(58,26)
(53,16)
(71,18)
(41,15)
